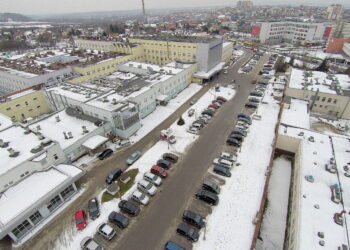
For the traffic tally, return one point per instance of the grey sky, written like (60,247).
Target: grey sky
(64,6)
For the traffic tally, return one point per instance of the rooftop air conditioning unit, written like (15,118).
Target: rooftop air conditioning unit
(3,144)
(12,152)
(36,149)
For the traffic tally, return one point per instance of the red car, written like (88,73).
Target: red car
(161,172)
(80,219)
(213,106)
(221,98)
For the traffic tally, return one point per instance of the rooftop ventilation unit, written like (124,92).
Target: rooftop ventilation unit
(38,128)
(3,144)
(26,131)
(70,136)
(85,131)
(114,101)
(36,149)
(57,118)
(40,136)
(105,99)
(12,152)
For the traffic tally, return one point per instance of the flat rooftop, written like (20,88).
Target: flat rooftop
(182,39)
(297,114)
(22,196)
(326,83)
(5,122)
(20,142)
(53,129)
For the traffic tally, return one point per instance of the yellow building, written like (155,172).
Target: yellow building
(27,103)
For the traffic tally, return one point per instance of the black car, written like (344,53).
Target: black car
(193,218)
(208,112)
(238,131)
(254,100)
(108,152)
(251,105)
(233,142)
(128,207)
(247,121)
(256,93)
(262,83)
(207,196)
(170,157)
(241,115)
(170,245)
(211,186)
(164,163)
(222,171)
(120,220)
(238,137)
(114,175)
(187,231)
(93,208)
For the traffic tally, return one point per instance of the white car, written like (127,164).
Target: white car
(90,244)
(147,187)
(192,130)
(156,180)
(228,156)
(106,231)
(223,163)
(207,116)
(140,198)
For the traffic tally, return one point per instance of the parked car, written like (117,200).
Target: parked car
(223,162)
(193,218)
(80,219)
(170,245)
(221,170)
(207,196)
(233,142)
(256,93)
(211,186)
(245,120)
(187,231)
(161,172)
(191,112)
(193,101)
(204,118)
(208,112)
(114,175)
(221,98)
(164,163)
(133,157)
(242,124)
(197,125)
(251,105)
(254,100)
(105,154)
(257,117)
(156,180)
(128,207)
(173,158)
(239,131)
(93,208)
(214,106)
(238,137)
(216,101)
(90,244)
(192,130)
(242,115)
(207,116)
(147,187)
(140,198)
(119,219)
(106,231)
(228,156)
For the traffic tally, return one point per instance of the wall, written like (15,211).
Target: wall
(29,105)
(335,45)
(227,52)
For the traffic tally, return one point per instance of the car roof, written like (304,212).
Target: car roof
(137,193)
(149,174)
(79,213)
(143,182)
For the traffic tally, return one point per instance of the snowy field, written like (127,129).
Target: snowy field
(275,217)
(230,224)
(71,238)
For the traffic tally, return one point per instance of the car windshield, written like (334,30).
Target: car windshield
(197,218)
(161,170)
(93,208)
(80,220)
(142,196)
(149,186)
(154,178)
(190,231)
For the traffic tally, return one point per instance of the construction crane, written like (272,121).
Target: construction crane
(144,11)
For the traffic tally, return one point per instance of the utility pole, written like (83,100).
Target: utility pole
(144,12)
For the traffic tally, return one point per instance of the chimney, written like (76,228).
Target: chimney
(70,136)
(65,135)
(12,152)
(3,144)
(58,118)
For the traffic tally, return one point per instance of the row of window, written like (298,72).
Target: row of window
(169,45)
(18,105)
(329,100)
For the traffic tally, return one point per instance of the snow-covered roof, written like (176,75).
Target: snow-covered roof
(18,141)
(207,75)
(20,197)
(297,80)
(50,128)
(154,67)
(18,73)
(225,44)
(94,142)
(20,94)
(297,114)
(5,122)
(75,92)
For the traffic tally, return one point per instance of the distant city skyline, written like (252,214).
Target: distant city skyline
(31,7)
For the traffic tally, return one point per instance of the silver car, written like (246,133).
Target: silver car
(89,244)
(140,198)
(133,157)
(106,231)
(147,187)
(156,180)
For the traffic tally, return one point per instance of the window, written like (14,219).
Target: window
(329,100)
(335,101)
(35,98)
(55,202)
(321,106)
(36,217)
(55,156)
(318,98)
(18,105)
(38,107)
(26,103)
(67,192)
(21,229)
(22,175)
(323,99)
(8,108)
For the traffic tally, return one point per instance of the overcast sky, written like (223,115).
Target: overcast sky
(68,6)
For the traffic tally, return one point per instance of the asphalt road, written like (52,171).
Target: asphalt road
(158,222)
(175,192)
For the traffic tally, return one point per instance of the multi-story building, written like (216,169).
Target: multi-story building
(292,32)
(227,51)
(35,182)
(24,104)
(346,49)
(341,29)
(334,11)
(244,4)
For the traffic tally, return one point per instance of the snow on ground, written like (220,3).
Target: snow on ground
(71,238)
(297,114)
(275,218)
(230,224)
(163,112)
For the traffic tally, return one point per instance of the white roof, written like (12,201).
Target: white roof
(80,93)
(22,93)
(18,141)
(206,75)
(19,73)
(297,115)
(5,122)
(154,67)
(52,129)
(95,141)
(29,191)
(162,97)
